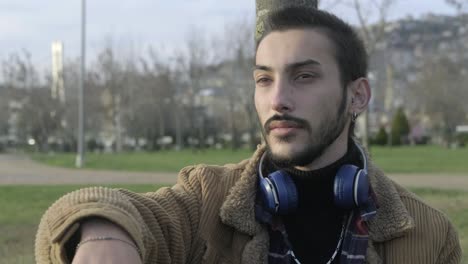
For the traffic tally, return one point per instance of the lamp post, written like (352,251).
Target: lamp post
(80,155)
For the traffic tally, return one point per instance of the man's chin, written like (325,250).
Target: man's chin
(281,146)
(283,154)
(293,154)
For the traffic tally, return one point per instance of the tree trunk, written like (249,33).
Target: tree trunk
(234,132)
(252,126)
(161,125)
(269,5)
(117,124)
(263,7)
(178,129)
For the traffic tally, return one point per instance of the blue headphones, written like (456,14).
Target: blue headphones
(350,188)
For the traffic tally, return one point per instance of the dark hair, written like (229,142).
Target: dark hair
(350,52)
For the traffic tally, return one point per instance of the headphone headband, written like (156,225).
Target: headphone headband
(363,155)
(260,164)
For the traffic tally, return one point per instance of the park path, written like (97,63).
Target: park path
(19,169)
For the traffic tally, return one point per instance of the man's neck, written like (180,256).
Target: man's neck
(332,153)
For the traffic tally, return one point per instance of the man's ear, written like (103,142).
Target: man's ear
(360,95)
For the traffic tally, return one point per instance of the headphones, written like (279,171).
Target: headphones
(350,189)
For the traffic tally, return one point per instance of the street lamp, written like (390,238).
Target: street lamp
(80,155)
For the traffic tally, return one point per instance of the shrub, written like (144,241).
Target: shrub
(381,138)
(400,128)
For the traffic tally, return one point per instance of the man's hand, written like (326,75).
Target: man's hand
(105,251)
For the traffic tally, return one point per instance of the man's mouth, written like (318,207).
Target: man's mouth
(283,127)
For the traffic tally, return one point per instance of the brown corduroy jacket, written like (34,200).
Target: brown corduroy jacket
(208,217)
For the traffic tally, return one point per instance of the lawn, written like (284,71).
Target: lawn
(419,159)
(22,207)
(163,161)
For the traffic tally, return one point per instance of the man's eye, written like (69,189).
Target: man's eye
(304,76)
(263,81)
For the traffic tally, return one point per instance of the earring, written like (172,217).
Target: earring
(354,117)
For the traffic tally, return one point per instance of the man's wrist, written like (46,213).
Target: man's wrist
(100,227)
(104,241)
(108,238)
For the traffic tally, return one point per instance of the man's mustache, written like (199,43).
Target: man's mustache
(298,121)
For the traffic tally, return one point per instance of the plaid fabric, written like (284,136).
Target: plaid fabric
(280,248)
(353,247)
(355,242)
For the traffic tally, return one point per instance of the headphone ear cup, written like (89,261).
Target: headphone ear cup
(286,190)
(343,187)
(361,188)
(267,194)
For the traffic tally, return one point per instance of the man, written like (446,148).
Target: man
(310,77)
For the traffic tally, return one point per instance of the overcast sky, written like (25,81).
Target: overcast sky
(33,24)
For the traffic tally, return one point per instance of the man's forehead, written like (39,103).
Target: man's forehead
(294,47)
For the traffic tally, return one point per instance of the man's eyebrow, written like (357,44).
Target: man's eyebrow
(299,64)
(262,68)
(290,66)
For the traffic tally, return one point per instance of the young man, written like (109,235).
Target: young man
(303,197)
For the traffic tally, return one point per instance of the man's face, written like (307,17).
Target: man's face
(298,95)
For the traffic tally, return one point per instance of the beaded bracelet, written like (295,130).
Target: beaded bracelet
(100,238)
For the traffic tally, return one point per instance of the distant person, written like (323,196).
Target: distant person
(309,195)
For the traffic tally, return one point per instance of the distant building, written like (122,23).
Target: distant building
(58,87)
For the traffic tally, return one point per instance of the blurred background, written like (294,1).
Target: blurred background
(169,84)
(178,74)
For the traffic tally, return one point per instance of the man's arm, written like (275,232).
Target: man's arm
(119,249)
(158,223)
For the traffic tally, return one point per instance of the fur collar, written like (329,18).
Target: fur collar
(392,219)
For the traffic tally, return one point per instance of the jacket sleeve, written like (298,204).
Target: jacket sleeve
(163,224)
(451,252)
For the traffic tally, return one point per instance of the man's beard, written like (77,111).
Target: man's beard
(326,132)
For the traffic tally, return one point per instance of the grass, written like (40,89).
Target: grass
(421,159)
(418,159)
(22,207)
(164,161)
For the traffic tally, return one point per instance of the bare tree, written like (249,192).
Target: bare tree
(238,55)
(110,76)
(36,112)
(459,5)
(328,5)
(12,100)
(440,93)
(71,75)
(19,72)
(372,29)
(5,108)
(372,32)
(154,104)
(40,117)
(193,61)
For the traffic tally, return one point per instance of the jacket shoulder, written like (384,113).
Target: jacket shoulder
(433,233)
(408,230)
(212,174)
(418,208)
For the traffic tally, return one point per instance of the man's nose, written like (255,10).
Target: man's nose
(281,100)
